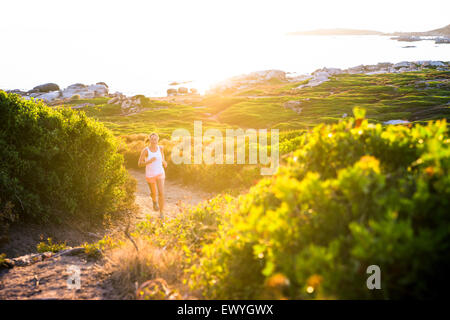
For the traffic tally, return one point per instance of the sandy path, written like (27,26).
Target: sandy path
(47,279)
(176,196)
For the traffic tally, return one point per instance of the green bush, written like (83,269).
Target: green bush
(211,178)
(354,194)
(58,163)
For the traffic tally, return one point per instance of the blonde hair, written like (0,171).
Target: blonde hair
(147,140)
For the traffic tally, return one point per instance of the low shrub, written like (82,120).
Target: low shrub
(354,194)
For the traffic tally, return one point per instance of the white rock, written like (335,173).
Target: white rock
(403,64)
(436,64)
(377,72)
(98,89)
(321,76)
(85,92)
(333,71)
(49,96)
(396,122)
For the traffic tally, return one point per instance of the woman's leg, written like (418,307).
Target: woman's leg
(160,184)
(152,186)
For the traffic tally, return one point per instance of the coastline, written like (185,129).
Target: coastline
(51,93)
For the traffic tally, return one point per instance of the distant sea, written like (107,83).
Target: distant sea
(150,73)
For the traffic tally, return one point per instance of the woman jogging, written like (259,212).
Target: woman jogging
(152,157)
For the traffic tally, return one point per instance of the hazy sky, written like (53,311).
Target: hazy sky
(84,40)
(197,18)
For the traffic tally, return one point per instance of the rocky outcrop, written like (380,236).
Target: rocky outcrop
(50,92)
(127,104)
(49,96)
(321,75)
(183,90)
(84,91)
(171,92)
(47,87)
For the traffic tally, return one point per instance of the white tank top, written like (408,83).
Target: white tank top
(155,168)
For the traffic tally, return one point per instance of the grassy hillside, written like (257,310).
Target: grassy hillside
(414,96)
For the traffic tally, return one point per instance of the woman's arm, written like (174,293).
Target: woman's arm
(164,163)
(142,162)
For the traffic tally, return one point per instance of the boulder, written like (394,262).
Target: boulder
(49,96)
(47,87)
(126,104)
(321,76)
(99,90)
(77,86)
(183,90)
(17,91)
(332,71)
(384,65)
(437,64)
(85,92)
(273,74)
(318,77)
(396,122)
(171,92)
(403,64)
(103,84)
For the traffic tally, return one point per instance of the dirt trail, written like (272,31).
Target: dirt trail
(47,279)
(176,196)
